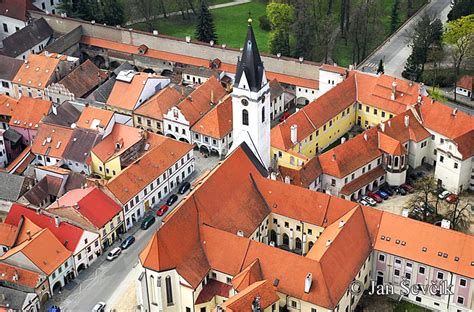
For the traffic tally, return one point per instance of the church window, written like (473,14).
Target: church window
(263,114)
(245,117)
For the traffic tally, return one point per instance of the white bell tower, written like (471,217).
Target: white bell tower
(251,102)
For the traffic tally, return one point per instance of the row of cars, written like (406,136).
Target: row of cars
(374,198)
(448,196)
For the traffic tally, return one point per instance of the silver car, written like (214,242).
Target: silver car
(114,253)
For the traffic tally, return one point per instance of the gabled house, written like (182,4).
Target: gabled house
(14,15)
(13,186)
(50,144)
(179,120)
(92,209)
(7,107)
(15,277)
(100,120)
(9,66)
(77,156)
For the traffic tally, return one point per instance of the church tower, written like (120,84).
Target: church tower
(251,101)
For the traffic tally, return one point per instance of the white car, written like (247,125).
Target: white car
(444,194)
(363,202)
(99,307)
(114,253)
(369,200)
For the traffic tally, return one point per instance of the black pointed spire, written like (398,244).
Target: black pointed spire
(250,63)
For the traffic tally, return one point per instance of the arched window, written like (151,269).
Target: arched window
(245,117)
(286,240)
(263,114)
(298,243)
(389,160)
(396,162)
(310,245)
(169,291)
(153,290)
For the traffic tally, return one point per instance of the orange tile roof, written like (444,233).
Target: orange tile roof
(305,175)
(395,128)
(51,140)
(414,235)
(125,95)
(195,61)
(146,169)
(26,278)
(44,250)
(83,79)
(280,135)
(37,72)
(242,302)
(29,112)
(125,136)
(7,234)
(341,160)
(249,275)
(390,145)
(465,143)
(212,289)
(218,122)
(7,105)
(20,162)
(159,104)
(26,227)
(93,117)
(466,82)
(441,119)
(198,103)
(362,181)
(334,69)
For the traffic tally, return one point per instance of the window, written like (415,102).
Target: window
(460,300)
(203,309)
(383,114)
(360,106)
(441,158)
(352,176)
(367,109)
(287,224)
(408,275)
(363,170)
(369,167)
(396,272)
(398,261)
(421,270)
(409,265)
(5,27)
(381,257)
(5,84)
(263,114)
(333,182)
(169,291)
(456,165)
(440,275)
(139,120)
(418,299)
(310,232)
(228,280)
(293,304)
(245,117)
(375,111)
(462,282)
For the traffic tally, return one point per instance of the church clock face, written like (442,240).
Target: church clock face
(245,102)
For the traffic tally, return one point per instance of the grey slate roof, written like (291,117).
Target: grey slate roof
(26,38)
(11,186)
(48,185)
(250,63)
(66,115)
(81,144)
(12,135)
(102,93)
(9,66)
(12,298)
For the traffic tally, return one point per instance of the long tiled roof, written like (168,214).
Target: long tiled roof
(83,79)
(27,38)
(29,112)
(218,122)
(51,140)
(159,104)
(37,72)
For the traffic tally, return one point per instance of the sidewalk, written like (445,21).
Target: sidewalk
(211,7)
(124,298)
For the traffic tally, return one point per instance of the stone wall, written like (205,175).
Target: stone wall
(287,66)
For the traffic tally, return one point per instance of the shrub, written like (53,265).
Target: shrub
(265,23)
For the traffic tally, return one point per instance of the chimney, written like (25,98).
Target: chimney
(256,304)
(407,121)
(294,134)
(55,110)
(455,111)
(307,282)
(57,221)
(333,157)
(382,127)
(394,89)
(445,224)
(341,223)
(28,232)
(365,136)
(75,206)
(389,123)
(240,233)
(419,99)
(328,242)
(212,96)
(343,139)
(15,277)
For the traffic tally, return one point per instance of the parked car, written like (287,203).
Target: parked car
(401,191)
(444,194)
(438,191)
(172,199)
(414,214)
(426,207)
(127,242)
(99,307)
(382,194)
(363,202)
(376,197)
(369,200)
(184,187)
(114,253)
(147,222)
(407,187)
(284,116)
(162,210)
(387,189)
(452,198)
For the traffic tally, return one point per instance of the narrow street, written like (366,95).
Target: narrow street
(396,51)
(104,280)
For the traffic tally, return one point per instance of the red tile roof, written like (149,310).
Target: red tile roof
(125,95)
(362,181)
(305,175)
(390,146)
(29,112)
(17,9)
(7,105)
(92,203)
(51,140)
(26,278)
(159,104)
(83,79)
(465,143)
(65,232)
(396,128)
(218,122)
(211,289)
(8,234)
(242,302)
(249,275)
(125,136)
(415,235)
(44,250)
(466,82)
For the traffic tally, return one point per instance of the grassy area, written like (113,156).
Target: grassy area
(405,306)
(342,54)
(230,22)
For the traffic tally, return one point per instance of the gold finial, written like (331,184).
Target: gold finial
(250,19)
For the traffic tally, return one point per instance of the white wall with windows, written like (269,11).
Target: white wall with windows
(10,25)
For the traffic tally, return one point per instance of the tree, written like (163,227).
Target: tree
(380,70)
(281,16)
(461,8)
(409,8)
(304,30)
(459,214)
(324,31)
(113,12)
(459,34)
(395,18)
(205,30)
(66,6)
(143,9)
(421,198)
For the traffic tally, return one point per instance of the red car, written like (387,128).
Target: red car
(284,116)
(375,197)
(452,198)
(407,187)
(163,209)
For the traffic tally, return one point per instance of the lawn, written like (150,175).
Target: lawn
(230,22)
(405,306)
